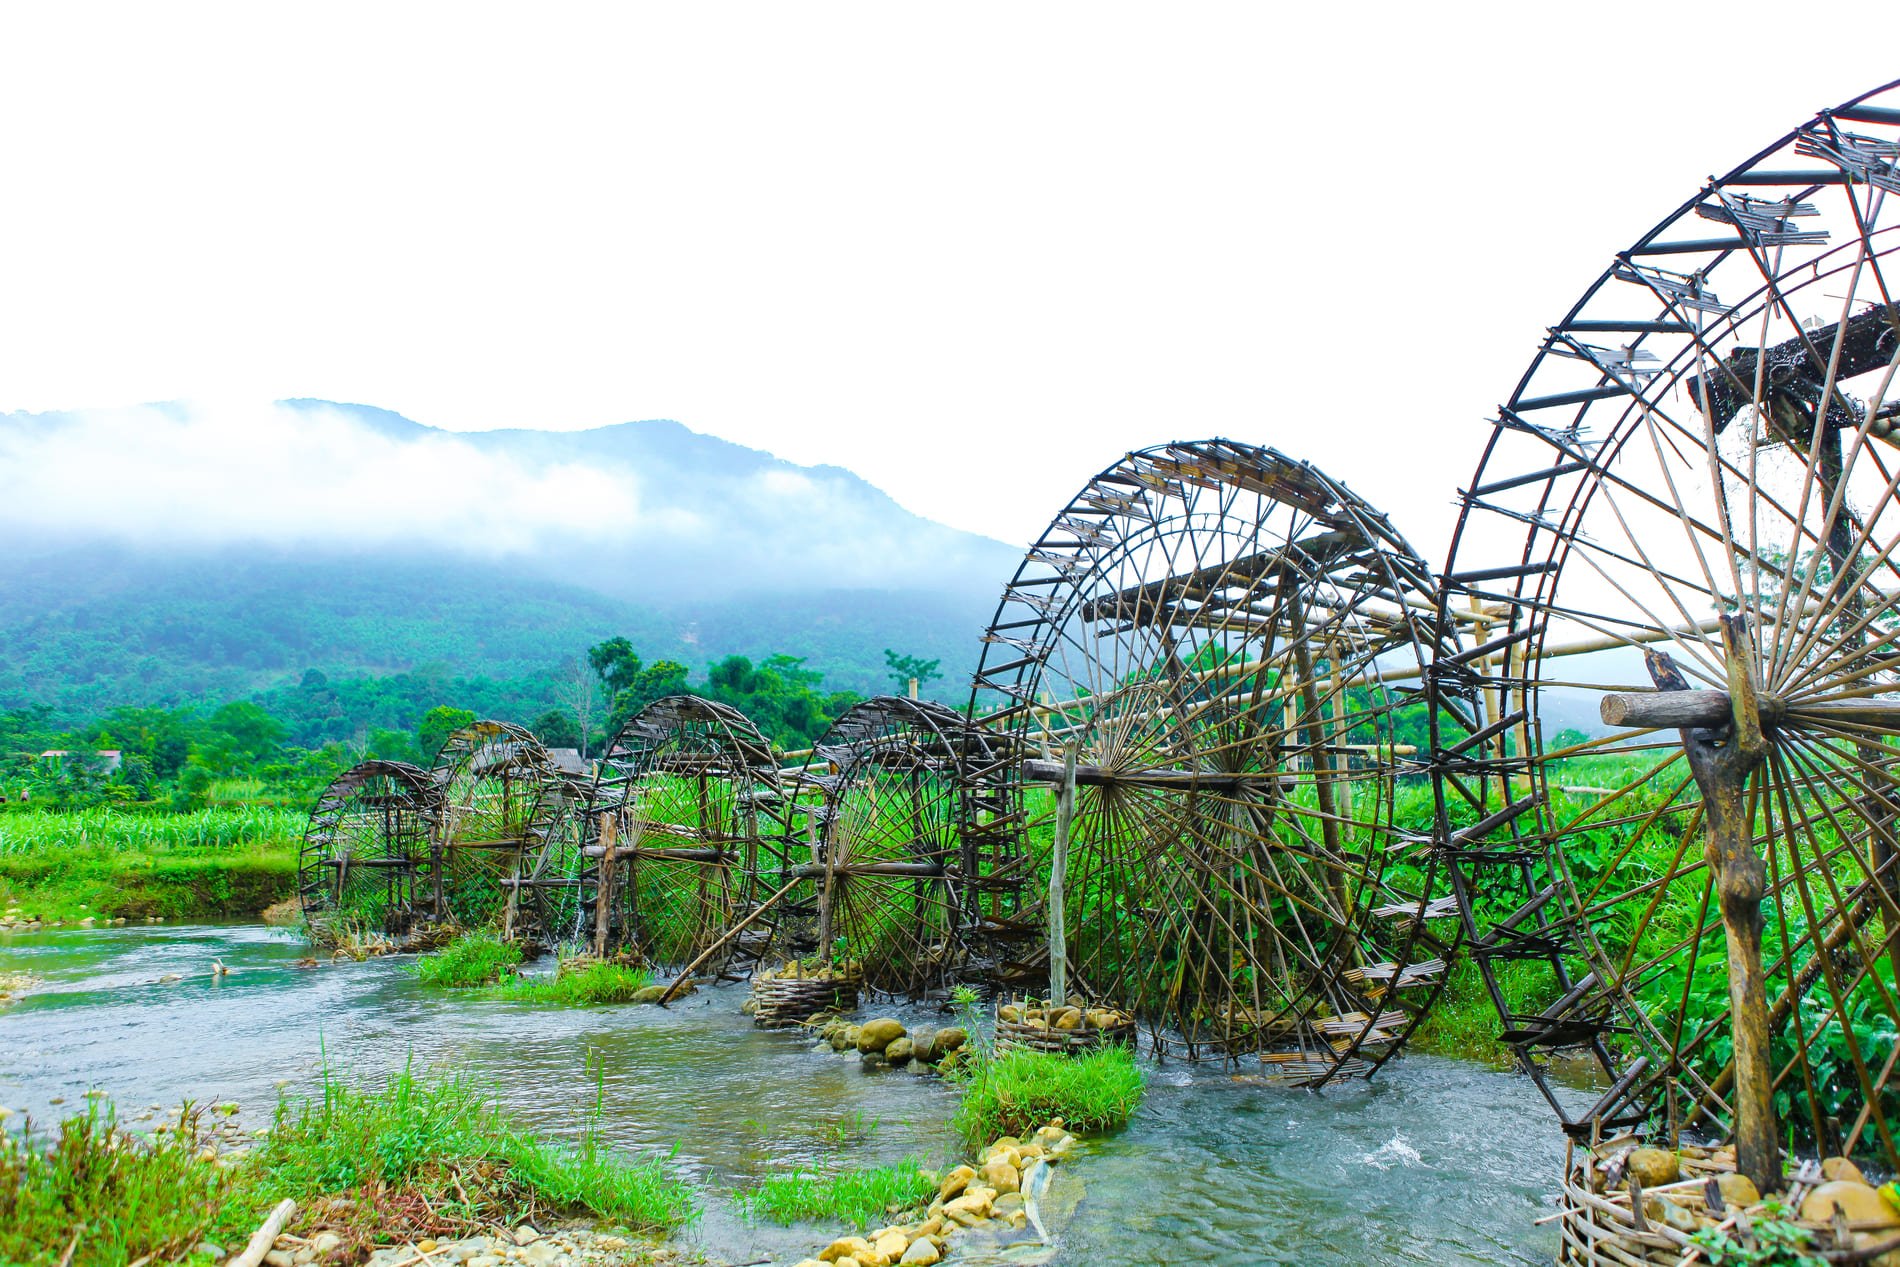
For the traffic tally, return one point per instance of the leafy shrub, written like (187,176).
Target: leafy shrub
(595,983)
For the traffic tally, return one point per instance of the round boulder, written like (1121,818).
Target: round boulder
(878,1034)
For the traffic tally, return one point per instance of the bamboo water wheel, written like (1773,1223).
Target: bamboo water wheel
(1676,856)
(364,865)
(687,798)
(504,803)
(904,892)
(1221,637)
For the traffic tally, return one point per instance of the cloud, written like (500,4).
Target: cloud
(211,474)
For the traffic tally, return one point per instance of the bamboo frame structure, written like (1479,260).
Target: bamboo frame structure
(914,884)
(366,851)
(1217,622)
(684,836)
(505,806)
(1700,467)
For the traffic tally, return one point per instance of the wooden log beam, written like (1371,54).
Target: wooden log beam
(1709,709)
(1036,770)
(921,870)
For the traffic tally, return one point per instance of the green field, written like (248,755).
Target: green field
(213,863)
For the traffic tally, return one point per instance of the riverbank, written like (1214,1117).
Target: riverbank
(217,863)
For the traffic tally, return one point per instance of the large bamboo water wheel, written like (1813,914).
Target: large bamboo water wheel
(1212,633)
(904,892)
(365,857)
(504,803)
(1677,856)
(685,826)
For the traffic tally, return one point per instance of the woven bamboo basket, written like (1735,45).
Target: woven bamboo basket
(779,1002)
(1600,1229)
(1025,1035)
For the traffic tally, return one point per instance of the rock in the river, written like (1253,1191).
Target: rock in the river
(648,994)
(950,1038)
(892,1245)
(843,1247)
(899,1051)
(1841,1168)
(955,1181)
(922,1252)
(1737,1189)
(1653,1167)
(923,1043)
(1002,1176)
(1857,1201)
(878,1034)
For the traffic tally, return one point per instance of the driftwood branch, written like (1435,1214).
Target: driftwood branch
(265,1236)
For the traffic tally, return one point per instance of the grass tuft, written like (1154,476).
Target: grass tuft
(859,1197)
(470,960)
(595,983)
(448,1141)
(109,1196)
(1014,1094)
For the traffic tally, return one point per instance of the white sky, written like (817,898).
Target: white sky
(971,251)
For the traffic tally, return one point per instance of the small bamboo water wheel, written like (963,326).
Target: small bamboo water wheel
(364,865)
(685,833)
(1676,855)
(904,892)
(1203,648)
(504,802)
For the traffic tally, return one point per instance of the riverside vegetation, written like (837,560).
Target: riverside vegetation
(418,1157)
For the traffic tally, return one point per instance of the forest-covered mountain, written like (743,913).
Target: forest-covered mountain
(699,549)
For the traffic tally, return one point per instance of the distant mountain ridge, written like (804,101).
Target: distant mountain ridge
(700,549)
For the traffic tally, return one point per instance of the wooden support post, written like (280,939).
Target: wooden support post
(1722,761)
(913,688)
(1313,738)
(821,850)
(604,886)
(1059,875)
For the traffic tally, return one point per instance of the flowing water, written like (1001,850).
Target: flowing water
(1436,1162)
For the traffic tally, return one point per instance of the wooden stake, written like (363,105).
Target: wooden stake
(603,890)
(1721,761)
(1058,877)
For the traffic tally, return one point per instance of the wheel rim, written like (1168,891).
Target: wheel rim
(1218,628)
(1630,496)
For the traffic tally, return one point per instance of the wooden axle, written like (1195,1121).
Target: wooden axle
(1036,770)
(925,870)
(668,855)
(1708,709)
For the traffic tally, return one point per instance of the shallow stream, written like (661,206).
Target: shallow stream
(1436,1162)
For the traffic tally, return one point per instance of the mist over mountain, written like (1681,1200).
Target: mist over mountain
(176,552)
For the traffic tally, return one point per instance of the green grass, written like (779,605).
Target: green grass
(416,1156)
(474,959)
(1015,1093)
(859,1197)
(449,1139)
(596,983)
(120,1203)
(214,863)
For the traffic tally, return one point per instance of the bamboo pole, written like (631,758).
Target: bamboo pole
(686,974)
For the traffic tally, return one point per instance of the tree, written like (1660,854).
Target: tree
(903,668)
(615,663)
(574,691)
(556,729)
(437,725)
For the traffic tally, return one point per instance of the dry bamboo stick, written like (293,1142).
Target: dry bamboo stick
(265,1236)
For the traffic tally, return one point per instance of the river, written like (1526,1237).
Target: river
(1435,1162)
